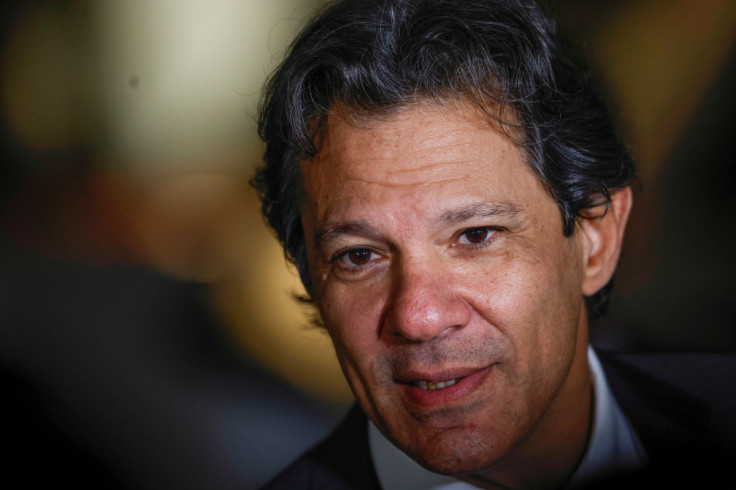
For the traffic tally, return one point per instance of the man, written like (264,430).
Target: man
(454,197)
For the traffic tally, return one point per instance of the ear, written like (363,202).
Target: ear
(602,237)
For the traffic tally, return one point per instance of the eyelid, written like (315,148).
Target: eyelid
(343,252)
(337,257)
(493,232)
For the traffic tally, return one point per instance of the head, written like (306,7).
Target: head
(425,143)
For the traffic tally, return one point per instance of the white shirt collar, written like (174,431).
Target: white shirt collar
(613,447)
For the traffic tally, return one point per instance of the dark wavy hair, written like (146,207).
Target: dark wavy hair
(372,57)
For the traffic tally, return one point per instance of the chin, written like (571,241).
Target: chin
(472,454)
(456,465)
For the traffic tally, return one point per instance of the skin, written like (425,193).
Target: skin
(437,254)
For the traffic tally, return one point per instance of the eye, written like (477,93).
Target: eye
(354,258)
(477,236)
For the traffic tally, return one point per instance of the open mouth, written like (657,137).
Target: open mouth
(430,386)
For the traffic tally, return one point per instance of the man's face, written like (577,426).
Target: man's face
(449,290)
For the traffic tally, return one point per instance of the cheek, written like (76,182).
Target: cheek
(353,322)
(533,300)
(353,319)
(351,307)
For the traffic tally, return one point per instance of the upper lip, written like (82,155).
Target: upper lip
(411,376)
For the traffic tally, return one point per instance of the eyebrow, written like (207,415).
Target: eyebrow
(484,209)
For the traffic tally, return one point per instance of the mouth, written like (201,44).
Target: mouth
(430,386)
(442,388)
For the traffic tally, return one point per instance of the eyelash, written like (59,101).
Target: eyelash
(491,237)
(335,260)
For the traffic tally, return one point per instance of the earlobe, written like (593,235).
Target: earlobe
(602,239)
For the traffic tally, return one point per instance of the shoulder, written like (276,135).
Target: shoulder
(341,461)
(682,406)
(708,377)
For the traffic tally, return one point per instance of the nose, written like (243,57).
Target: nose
(424,305)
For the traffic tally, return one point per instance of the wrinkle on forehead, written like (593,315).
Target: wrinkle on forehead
(437,156)
(419,148)
(397,181)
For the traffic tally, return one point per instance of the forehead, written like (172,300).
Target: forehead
(414,139)
(453,147)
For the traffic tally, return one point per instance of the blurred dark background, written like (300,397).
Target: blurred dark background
(148,336)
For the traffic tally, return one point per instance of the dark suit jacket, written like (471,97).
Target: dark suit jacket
(682,407)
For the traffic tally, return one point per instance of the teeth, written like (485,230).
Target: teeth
(428,385)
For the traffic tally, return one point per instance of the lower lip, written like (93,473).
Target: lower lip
(461,389)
